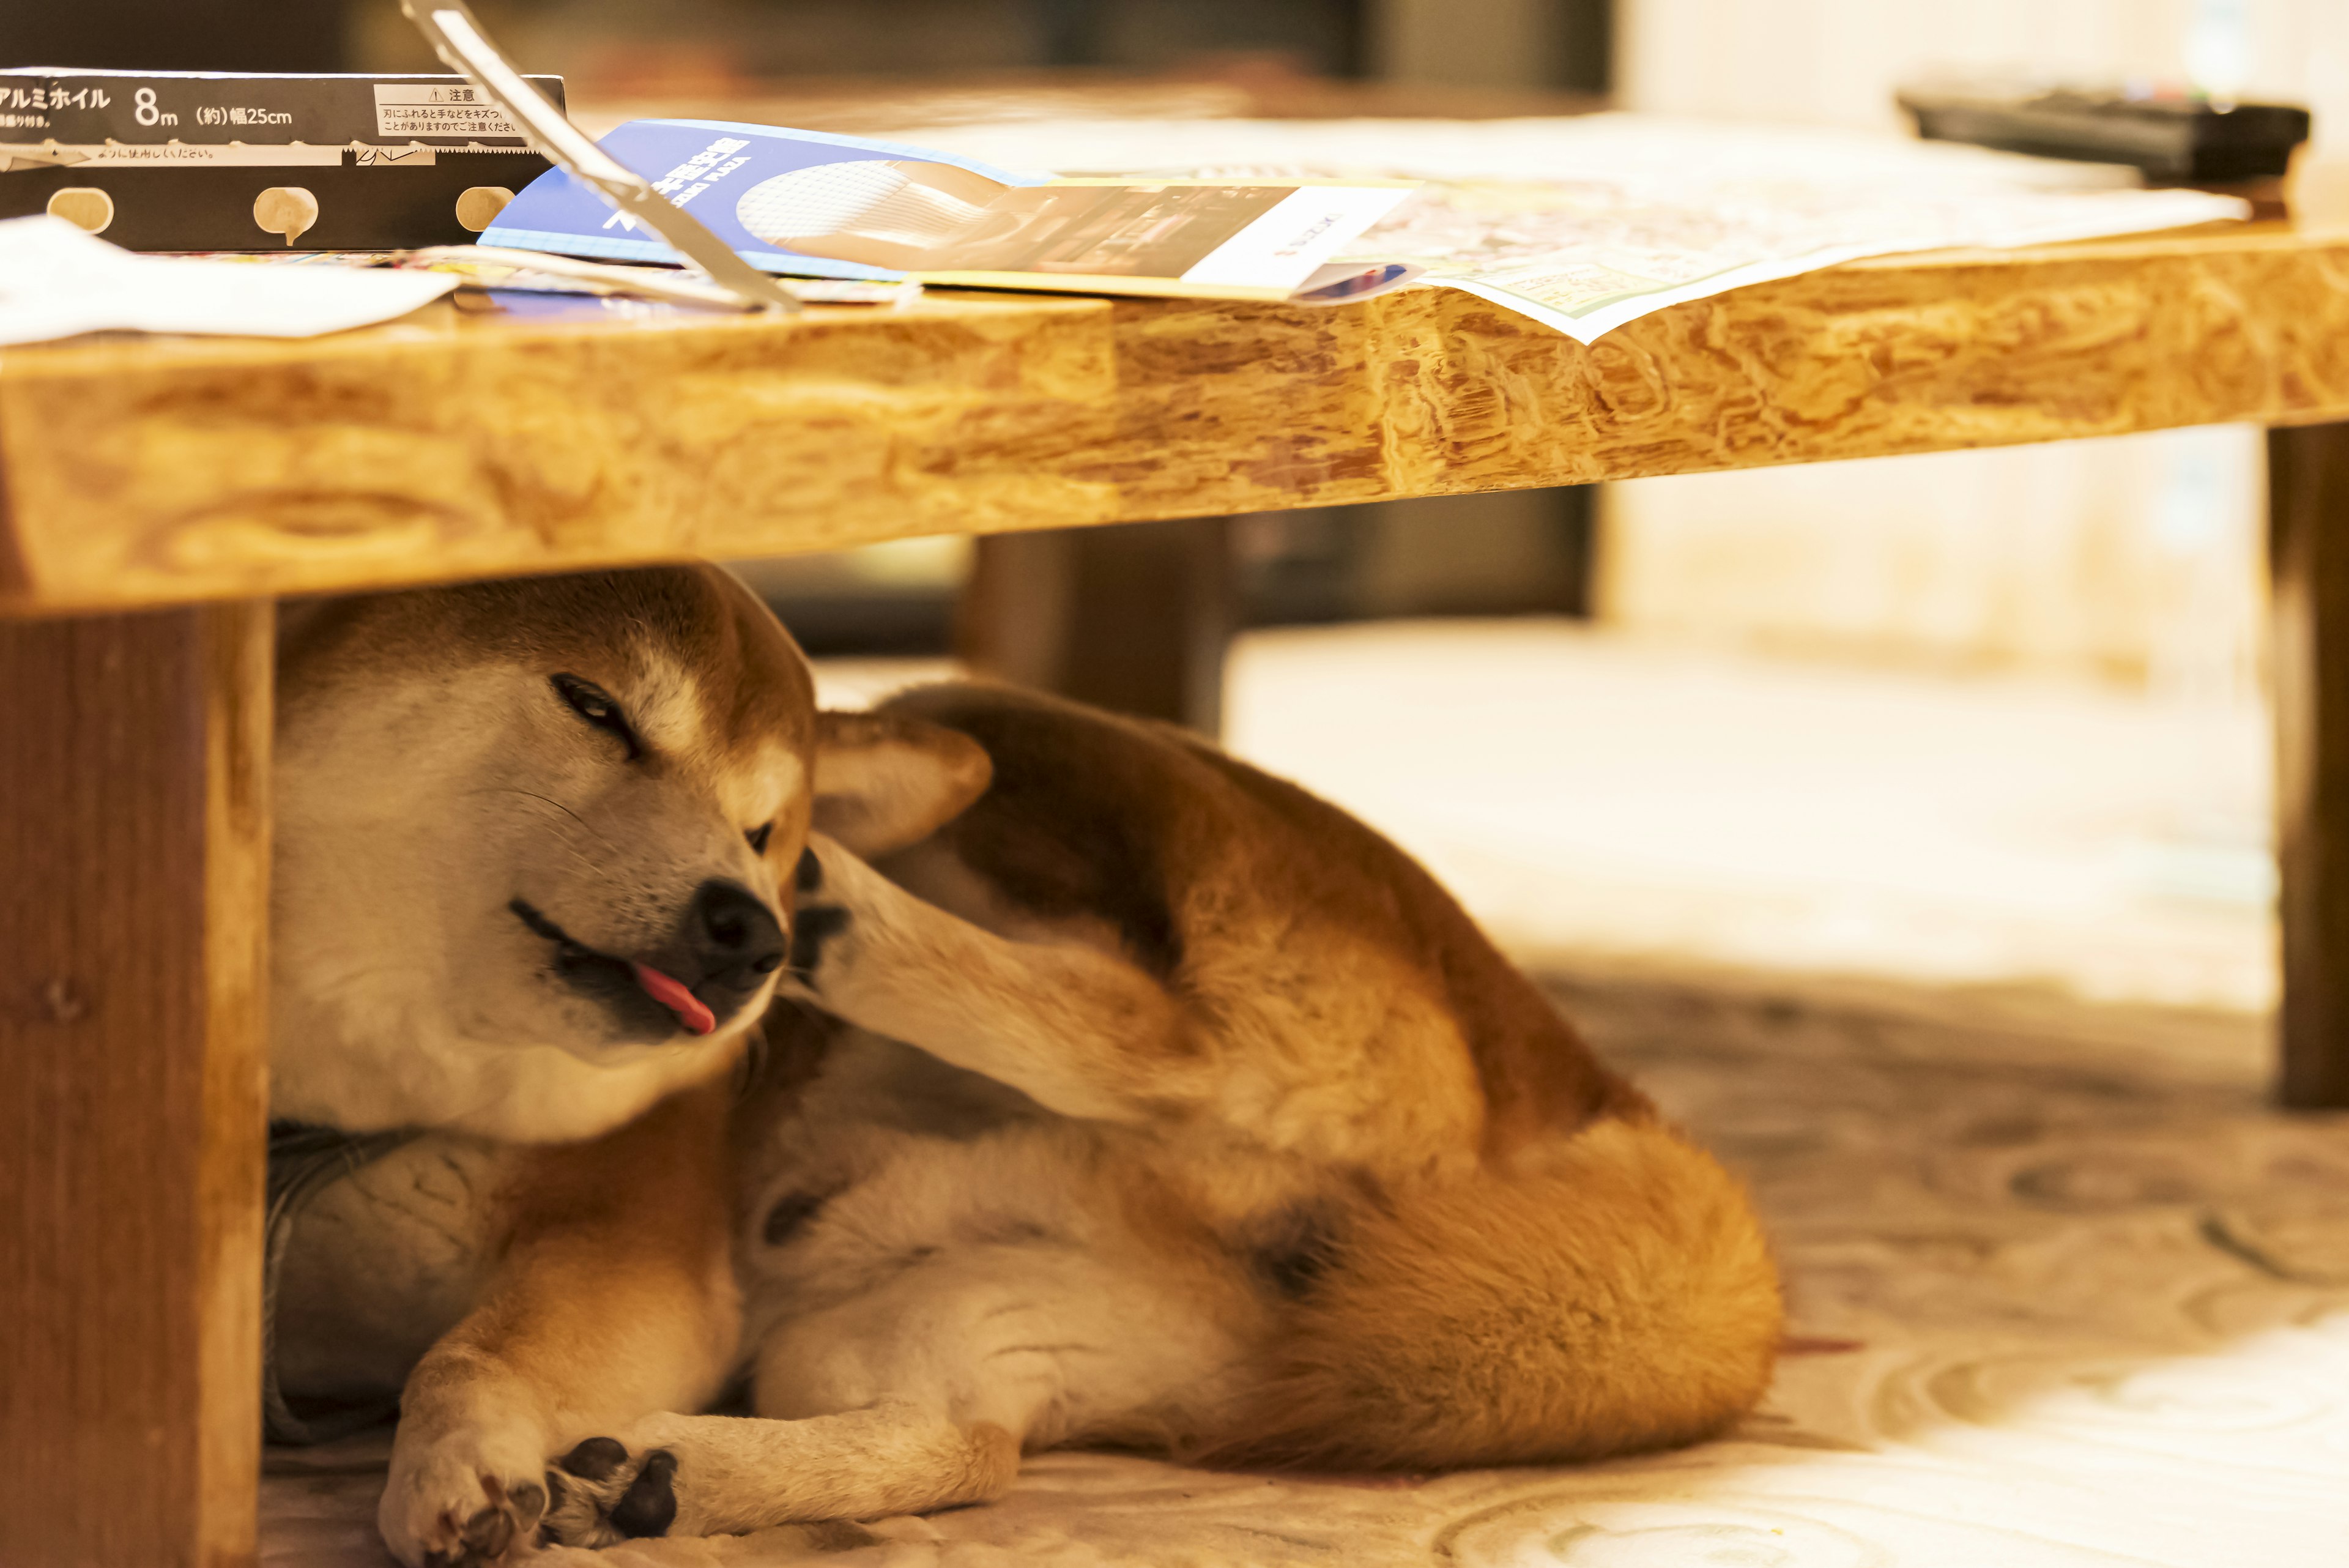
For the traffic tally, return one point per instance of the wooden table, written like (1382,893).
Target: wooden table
(158,495)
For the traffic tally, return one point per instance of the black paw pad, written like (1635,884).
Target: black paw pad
(811,930)
(649,1507)
(808,875)
(488,1533)
(528,1501)
(596,1458)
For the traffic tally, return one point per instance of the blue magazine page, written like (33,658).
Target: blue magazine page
(755,187)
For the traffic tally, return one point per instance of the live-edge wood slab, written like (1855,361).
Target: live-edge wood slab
(455,443)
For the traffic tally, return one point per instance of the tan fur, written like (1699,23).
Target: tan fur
(612,1295)
(882,785)
(1216,1127)
(613,1288)
(1620,1300)
(1541,1270)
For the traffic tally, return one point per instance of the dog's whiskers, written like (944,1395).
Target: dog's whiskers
(544,799)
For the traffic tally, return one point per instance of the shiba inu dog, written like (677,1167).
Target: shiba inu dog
(1126,1095)
(1153,1101)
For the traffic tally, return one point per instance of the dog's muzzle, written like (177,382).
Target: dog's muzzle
(727,945)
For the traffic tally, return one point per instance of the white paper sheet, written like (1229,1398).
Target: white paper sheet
(1587,223)
(57,282)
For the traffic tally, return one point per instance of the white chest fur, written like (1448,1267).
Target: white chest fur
(385,1075)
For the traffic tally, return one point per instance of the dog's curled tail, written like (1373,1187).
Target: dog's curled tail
(1623,1299)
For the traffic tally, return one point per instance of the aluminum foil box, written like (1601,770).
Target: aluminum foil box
(176,161)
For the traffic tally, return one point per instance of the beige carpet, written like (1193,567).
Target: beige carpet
(2067,1292)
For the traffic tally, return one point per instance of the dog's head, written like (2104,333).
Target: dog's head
(556,814)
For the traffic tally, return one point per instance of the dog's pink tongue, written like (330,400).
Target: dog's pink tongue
(673,995)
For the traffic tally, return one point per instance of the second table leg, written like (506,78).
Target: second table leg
(1134,616)
(2308,504)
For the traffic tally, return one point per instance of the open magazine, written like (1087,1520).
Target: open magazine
(1587,223)
(806,204)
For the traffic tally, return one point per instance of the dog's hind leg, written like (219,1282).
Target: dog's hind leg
(724,1475)
(891,1404)
(1079,1031)
(921,1393)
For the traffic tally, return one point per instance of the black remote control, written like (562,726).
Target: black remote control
(2174,137)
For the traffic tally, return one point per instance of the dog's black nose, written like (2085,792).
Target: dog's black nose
(736,938)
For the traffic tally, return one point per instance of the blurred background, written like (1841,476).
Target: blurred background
(1990,717)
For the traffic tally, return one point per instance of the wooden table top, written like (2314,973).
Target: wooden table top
(457,443)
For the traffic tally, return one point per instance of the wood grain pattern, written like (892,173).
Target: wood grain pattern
(134,827)
(450,445)
(2308,498)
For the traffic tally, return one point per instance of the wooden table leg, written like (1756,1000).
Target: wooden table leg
(1135,616)
(2308,510)
(134,825)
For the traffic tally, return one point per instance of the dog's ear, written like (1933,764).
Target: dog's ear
(883,781)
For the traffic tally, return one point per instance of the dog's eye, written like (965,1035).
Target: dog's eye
(758,837)
(596,705)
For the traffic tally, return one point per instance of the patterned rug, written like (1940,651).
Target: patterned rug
(2065,1292)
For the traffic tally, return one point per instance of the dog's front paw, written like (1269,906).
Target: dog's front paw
(601,1494)
(471,1500)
